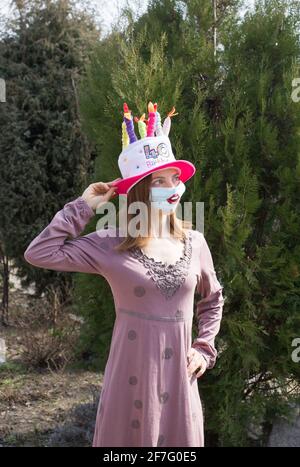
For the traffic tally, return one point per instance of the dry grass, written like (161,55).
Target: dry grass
(49,334)
(43,401)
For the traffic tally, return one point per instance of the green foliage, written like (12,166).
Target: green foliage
(44,156)
(240,127)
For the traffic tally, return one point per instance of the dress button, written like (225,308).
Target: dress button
(133,380)
(164,397)
(167,353)
(135,424)
(138,404)
(139,291)
(131,335)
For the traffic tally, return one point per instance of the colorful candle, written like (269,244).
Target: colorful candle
(158,127)
(151,123)
(129,123)
(130,127)
(141,126)
(125,137)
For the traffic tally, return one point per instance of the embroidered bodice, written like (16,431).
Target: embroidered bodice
(168,277)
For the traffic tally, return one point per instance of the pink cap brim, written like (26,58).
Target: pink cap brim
(187,171)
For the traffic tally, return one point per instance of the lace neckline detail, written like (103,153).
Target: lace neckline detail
(163,263)
(168,277)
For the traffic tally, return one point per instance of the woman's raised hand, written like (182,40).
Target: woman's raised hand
(99,193)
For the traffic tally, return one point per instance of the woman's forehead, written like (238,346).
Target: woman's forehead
(165,172)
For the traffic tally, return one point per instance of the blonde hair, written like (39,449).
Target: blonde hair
(140,192)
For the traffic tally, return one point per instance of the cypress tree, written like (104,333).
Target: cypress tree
(45,157)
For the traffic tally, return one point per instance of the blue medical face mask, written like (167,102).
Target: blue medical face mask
(166,198)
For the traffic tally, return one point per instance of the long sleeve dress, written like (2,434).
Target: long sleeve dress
(147,397)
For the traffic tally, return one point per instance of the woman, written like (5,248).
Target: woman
(150,394)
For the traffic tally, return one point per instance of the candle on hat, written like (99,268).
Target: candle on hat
(158,127)
(141,125)
(129,124)
(125,137)
(151,120)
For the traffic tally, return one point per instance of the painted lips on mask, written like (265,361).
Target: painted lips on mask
(166,198)
(173,198)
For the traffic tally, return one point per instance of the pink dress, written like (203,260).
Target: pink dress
(147,397)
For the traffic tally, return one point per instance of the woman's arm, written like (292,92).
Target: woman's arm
(209,308)
(52,249)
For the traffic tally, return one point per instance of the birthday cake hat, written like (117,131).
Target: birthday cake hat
(152,152)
